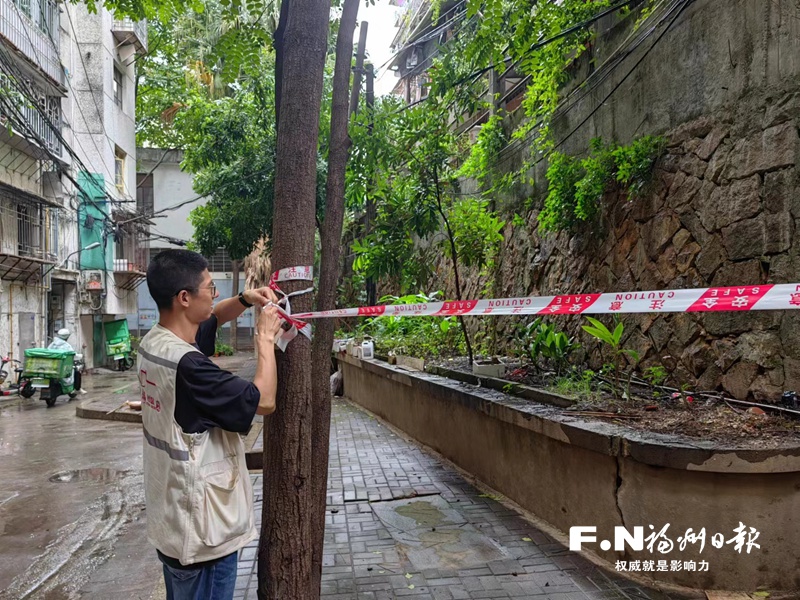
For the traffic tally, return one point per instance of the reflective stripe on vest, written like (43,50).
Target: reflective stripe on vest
(163,445)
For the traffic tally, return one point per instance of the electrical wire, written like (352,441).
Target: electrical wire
(94,100)
(16,78)
(537,46)
(196,198)
(24,127)
(67,78)
(542,43)
(430,35)
(678,4)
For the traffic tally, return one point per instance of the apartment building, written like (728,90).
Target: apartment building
(71,251)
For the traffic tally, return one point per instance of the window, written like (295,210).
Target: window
(24,6)
(47,20)
(144,194)
(119,171)
(219,262)
(117,87)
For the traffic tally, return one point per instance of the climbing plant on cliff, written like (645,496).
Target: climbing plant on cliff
(411,161)
(576,187)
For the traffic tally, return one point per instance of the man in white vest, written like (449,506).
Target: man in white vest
(197,489)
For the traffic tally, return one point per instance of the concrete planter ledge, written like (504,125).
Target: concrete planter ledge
(573,472)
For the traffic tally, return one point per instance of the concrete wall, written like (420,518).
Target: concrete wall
(19,302)
(573,473)
(171,186)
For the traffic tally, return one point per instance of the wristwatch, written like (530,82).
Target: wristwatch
(243,301)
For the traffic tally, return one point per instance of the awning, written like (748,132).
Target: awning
(21,268)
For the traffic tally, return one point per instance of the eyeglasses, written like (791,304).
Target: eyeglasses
(212,287)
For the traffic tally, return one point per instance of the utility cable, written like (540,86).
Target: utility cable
(603,74)
(94,100)
(16,77)
(99,114)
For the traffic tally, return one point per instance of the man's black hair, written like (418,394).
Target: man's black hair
(172,271)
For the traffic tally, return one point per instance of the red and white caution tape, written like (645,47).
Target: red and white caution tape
(717,299)
(292,327)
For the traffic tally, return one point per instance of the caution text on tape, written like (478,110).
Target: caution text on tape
(715,299)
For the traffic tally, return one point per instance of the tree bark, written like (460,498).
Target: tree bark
(235,264)
(285,547)
(454,253)
(371,286)
(330,241)
(278,46)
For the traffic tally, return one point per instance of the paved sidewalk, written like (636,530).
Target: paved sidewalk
(401,524)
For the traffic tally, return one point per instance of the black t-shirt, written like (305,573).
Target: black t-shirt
(206,396)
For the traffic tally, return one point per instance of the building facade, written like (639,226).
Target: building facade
(69,254)
(166,197)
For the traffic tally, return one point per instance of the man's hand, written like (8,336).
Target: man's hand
(260,296)
(269,324)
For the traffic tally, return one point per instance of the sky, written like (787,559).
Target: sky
(380,33)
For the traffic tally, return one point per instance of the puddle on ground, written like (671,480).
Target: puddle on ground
(433,534)
(97,474)
(423,512)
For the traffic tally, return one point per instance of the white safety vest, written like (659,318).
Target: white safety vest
(197,489)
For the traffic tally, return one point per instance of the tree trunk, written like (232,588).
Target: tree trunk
(285,547)
(372,290)
(452,241)
(330,238)
(277,41)
(359,68)
(235,264)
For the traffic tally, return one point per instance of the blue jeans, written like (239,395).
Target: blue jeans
(212,581)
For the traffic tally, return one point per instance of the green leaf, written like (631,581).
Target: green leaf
(601,334)
(617,333)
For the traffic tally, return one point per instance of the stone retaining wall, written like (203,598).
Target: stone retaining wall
(722,209)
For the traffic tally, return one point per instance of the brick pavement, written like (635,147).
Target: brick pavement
(363,561)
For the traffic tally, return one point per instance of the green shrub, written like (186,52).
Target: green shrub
(423,337)
(221,349)
(576,187)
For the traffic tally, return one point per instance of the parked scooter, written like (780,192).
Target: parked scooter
(118,344)
(52,372)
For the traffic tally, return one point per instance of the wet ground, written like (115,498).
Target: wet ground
(399,523)
(71,503)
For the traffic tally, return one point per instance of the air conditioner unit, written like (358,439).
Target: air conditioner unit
(93,281)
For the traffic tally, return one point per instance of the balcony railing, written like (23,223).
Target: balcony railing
(28,227)
(32,28)
(131,250)
(131,32)
(47,126)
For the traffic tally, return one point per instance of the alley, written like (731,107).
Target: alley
(400,523)
(71,502)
